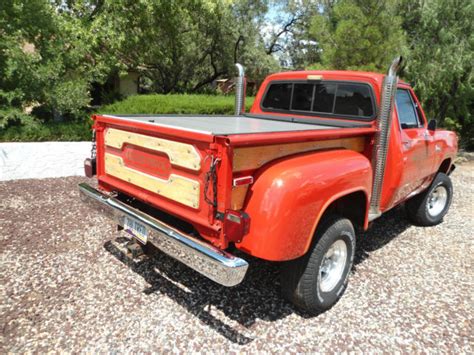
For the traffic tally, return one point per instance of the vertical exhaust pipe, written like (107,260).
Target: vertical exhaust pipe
(384,121)
(240,86)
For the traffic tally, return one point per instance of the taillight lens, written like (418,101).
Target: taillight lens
(236,225)
(90,167)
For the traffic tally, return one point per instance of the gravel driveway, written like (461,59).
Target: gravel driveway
(63,287)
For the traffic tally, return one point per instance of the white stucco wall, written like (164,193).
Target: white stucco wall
(42,159)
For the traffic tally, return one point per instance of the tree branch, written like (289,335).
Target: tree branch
(274,46)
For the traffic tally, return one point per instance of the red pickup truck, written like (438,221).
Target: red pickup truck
(319,153)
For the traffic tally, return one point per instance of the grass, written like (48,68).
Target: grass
(79,130)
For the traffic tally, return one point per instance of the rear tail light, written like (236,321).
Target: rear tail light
(90,167)
(236,225)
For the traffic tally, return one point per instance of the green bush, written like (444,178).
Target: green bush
(175,104)
(49,131)
(14,117)
(19,127)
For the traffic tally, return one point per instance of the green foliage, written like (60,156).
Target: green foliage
(47,57)
(48,131)
(182,46)
(358,35)
(53,52)
(175,104)
(12,117)
(441,38)
(21,127)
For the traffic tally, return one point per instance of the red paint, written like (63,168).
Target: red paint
(148,161)
(288,196)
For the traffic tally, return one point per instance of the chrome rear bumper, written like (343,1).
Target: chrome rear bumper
(206,259)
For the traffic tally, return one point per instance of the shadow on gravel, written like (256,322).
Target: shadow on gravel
(257,297)
(382,231)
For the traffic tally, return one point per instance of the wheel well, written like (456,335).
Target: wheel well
(444,167)
(352,206)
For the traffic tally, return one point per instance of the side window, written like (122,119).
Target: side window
(278,97)
(406,109)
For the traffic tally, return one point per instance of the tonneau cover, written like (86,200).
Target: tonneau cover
(225,125)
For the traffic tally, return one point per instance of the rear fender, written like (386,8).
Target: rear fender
(289,196)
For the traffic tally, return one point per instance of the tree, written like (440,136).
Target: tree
(286,32)
(441,36)
(47,57)
(358,34)
(182,46)
(52,51)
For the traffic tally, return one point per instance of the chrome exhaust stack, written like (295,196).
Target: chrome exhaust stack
(240,87)
(384,121)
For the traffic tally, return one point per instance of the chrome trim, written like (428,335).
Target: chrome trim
(218,265)
(240,90)
(382,136)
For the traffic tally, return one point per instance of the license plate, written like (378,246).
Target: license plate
(136,229)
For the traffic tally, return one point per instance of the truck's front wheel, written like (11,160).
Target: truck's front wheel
(429,207)
(316,281)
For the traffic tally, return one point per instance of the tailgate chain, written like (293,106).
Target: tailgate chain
(94,145)
(211,177)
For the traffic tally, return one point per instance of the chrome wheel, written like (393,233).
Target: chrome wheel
(332,266)
(437,200)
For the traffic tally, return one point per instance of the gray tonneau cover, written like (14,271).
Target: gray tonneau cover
(225,125)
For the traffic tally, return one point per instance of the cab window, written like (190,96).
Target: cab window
(328,98)
(278,97)
(407,112)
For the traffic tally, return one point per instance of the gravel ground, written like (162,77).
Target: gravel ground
(63,287)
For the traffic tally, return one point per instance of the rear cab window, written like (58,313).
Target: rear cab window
(326,98)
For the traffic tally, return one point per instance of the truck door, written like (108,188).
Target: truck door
(416,143)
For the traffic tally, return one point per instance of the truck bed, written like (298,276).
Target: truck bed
(234,125)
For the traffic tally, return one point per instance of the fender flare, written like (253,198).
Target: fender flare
(290,195)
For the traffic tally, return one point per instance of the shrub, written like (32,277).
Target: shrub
(19,127)
(49,131)
(14,117)
(175,104)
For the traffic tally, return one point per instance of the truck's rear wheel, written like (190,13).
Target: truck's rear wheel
(316,281)
(429,207)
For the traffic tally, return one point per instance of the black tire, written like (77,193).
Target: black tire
(301,278)
(420,208)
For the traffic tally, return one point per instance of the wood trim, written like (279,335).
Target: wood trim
(176,188)
(238,197)
(180,154)
(249,158)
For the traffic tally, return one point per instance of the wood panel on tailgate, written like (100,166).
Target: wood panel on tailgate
(174,186)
